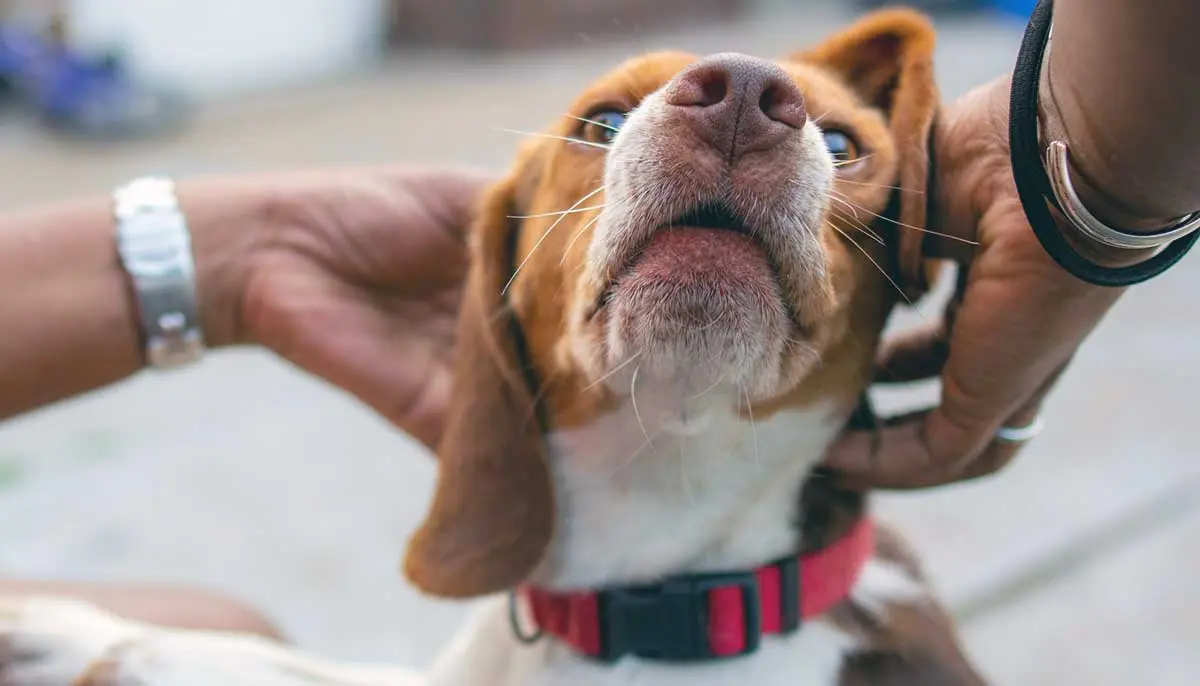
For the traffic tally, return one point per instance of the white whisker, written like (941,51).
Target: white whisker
(836,198)
(917,228)
(555,214)
(633,400)
(543,238)
(716,318)
(637,452)
(753,426)
(865,229)
(632,457)
(856,222)
(579,232)
(537,134)
(611,372)
(593,121)
(711,388)
(902,189)
(872,259)
(856,160)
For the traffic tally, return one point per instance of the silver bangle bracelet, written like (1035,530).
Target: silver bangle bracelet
(1058,170)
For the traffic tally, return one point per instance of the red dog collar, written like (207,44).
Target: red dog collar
(704,616)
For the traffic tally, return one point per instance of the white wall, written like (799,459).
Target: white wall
(218,47)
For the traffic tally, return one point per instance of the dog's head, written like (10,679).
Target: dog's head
(727,222)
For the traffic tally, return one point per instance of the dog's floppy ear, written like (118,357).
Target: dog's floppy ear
(492,515)
(888,58)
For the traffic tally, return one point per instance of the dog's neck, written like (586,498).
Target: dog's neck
(675,484)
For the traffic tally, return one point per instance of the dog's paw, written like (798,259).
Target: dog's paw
(171,658)
(51,641)
(187,658)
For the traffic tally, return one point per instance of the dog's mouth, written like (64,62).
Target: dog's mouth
(714,215)
(708,245)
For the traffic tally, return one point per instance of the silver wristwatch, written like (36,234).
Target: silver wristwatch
(155,248)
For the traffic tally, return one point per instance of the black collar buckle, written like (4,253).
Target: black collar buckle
(669,622)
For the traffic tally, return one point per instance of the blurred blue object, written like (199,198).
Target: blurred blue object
(935,8)
(92,97)
(1017,8)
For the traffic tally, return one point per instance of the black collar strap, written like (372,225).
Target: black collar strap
(701,617)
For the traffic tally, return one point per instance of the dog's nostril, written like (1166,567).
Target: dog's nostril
(782,102)
(702,87)
(715,86)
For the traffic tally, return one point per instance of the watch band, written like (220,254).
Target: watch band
(155,248)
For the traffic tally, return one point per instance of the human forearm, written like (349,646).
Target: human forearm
(68,318)
(1121,87)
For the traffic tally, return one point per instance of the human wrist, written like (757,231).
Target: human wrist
(232,222)
(1134,152)
(1094,181)
(1041,169)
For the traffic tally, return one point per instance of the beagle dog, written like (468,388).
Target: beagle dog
(673,308)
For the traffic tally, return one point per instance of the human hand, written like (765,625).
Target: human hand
(358,281)
(1012,326)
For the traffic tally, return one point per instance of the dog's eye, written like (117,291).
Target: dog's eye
(841,146)
(602,126)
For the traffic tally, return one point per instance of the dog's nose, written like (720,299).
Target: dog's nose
(738,103)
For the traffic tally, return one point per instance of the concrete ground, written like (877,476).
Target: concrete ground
(1073,566)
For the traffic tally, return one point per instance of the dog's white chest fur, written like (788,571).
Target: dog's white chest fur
(677,486)
(666,488)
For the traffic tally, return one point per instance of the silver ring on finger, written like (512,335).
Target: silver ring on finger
(1021,434)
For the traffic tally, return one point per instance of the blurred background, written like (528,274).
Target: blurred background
(1075,565)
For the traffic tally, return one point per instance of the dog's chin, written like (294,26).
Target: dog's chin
(700,308)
